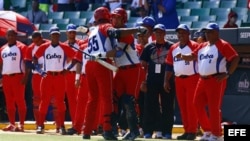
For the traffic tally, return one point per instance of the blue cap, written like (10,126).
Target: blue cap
(53,30)
(148,21)
(183,26)
(212,26)
(160,26)
(71,27)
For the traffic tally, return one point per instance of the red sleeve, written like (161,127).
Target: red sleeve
(103,28)
(23,48)
(40,51)
(68,50)
(169,59)
(226,50)
(128,39)
(28,55)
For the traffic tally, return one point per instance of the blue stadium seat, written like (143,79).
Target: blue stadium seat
(79,22)
(55,15)
(220,11)
(227,4)
(46,26)
(183,12)
(188,23)
(200,12)
(71,14)
(210,4)
(189,18)
(60,21)
(209,18)
(241,3)
(192,4)
(199,24)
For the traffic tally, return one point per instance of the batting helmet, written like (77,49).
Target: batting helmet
(101,13)
(121,12)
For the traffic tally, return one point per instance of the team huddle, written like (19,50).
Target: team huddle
(151,71)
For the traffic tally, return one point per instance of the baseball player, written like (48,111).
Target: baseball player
(186,79)
(213,57)
(37,40)
(71,90)
(52,85)
(99,78)
(127,88)
(82,91)
(14,79)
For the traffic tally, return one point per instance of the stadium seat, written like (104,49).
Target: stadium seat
(37,26)
(133,19)
(19,5)
(95,6)
(128,13)
(199,24)
(62,26)
(79,21)
(183,12)
(219,11)
(71,14)
(221,18)
(192,4)
(240,11)
(179,5)
(209,18)
(189,18)
(210,4)
(60,21)
(188,23)
(55,15)
(130,24)
(245,24)
(46,26)
(200,12)
(241,3)
(221,23)
(227,3)
(86,14)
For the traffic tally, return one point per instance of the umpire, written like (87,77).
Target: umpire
(158,104)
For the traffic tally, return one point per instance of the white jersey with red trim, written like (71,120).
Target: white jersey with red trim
(130,55)
(40,60)
(97,42)
(68,62)
(12,60)
(54,59)
(182,67)
(211,61)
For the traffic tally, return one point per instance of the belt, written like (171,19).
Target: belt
(184,76)
(129,66)
(71,72)
(13,74)
(55,73)
(210,76)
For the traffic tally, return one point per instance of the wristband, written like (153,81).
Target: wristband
(77,77)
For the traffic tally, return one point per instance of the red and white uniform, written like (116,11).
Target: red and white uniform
(13,72)
(36,78)
(51,85)
(212,59)
(99,79)
(82,92)
(185,83)
(71,90)
(129,65)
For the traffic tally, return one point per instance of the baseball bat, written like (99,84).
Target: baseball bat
(100,61)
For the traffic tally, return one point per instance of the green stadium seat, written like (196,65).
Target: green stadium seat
(95,6)
(60,21)
(79,22)
(210,4)
(200,12)
(179,5)
(240,11)
(192,4)
(245,24)
(221,18)
(72,14)
(19,5)
(209,18)
(62,26)
(183,12)
(220,11)
(46,26)
(188,23)
(199,24)
(86,14)
(55,15)
(227,4)
(133,19)
(189,18)
(221,23)
(241,3)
